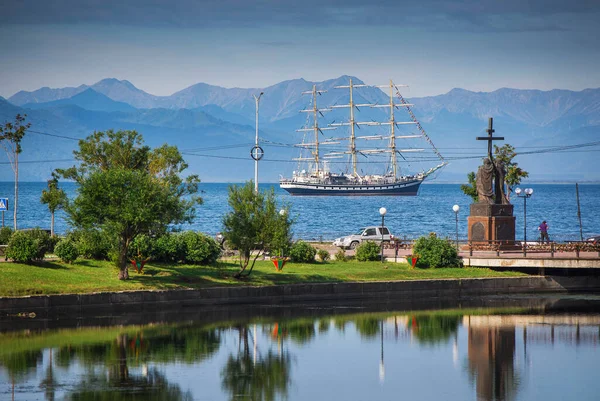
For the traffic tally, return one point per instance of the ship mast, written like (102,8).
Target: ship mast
(393,132)
(352,135)
(315,128)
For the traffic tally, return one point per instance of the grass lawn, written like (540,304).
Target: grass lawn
(86,276)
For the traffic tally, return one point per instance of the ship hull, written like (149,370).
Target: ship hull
(409,188)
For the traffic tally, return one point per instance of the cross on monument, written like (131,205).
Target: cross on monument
(490,138)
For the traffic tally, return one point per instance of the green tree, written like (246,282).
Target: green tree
(11,135)
(470,189)
(254,223)
(514,173)
(513,177)
(126,189)
(55,198)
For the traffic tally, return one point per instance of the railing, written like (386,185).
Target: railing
(551,248)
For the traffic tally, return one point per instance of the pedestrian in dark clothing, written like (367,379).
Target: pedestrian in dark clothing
(544,232)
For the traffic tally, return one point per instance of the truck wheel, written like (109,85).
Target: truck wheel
(353,244)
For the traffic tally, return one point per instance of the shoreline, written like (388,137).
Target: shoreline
(73,306)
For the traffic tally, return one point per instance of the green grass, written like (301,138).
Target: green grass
(87,276)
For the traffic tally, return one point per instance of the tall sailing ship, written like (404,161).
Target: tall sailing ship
(317,179)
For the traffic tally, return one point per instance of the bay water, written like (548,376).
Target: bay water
(518,348)
(325,218)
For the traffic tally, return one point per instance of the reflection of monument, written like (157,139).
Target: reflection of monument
(491,218)
(491,362)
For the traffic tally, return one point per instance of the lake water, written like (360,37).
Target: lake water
(330,217)
(517,348)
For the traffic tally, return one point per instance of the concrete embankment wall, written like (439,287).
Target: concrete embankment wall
(142,301)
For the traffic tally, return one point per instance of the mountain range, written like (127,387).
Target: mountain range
(214,126)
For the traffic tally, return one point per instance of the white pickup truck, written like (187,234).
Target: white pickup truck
(373,233)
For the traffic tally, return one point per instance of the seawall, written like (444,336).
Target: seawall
(73,305)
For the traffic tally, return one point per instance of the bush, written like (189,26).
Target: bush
(340,256)
(368,251)
(22,247)
(91,244)
(5,233)
(302,252)
(435,252)
(44,243)
(66,250)
(168,248)
(199,248)
(323,255)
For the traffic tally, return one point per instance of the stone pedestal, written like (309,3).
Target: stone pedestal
(491,223)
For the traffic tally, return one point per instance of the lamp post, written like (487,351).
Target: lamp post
(456,208)
(257,152)
(382,212)
(282,213)
(525,195)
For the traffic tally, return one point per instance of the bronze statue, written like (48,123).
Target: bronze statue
(490,182)
(484,180)
(501,198)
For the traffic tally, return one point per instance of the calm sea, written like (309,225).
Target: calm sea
(330,217)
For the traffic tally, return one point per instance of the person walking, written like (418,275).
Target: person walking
(543,228)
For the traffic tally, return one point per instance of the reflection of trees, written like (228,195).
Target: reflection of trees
(264,378)
(491,362)
(432,329)
(20,364)
(300,332)
(187,345)
(367,327)
(151,386)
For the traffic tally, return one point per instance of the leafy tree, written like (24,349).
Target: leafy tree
(11,135)
(55,198)
(513,177)
(514,173)
(254,223)
(126,189)
(471,188)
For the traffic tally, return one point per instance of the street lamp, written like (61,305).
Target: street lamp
(525,194)
(456,208)
(257,152)
(282,213)
(382,212)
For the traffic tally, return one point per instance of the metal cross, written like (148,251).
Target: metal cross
(490,138)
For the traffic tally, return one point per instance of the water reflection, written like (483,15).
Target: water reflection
(487,354)
(491,362)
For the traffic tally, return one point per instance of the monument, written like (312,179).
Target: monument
(491,218)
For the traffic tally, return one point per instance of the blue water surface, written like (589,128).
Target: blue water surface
(330,217)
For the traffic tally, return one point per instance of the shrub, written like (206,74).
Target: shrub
(368,251)
(22,247)
(199,248)
(302,252)
(5,233)
(91,244)
(66,250)
(168,248)
(44,242)
(323,255)
(340,255)
(435,252)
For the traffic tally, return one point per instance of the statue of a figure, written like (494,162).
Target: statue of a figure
(484,178)
(501,198)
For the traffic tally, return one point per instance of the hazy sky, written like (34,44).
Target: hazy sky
(431,45)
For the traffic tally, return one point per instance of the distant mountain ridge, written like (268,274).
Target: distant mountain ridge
(205,116)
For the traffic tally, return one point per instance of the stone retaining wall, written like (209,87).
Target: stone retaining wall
(144,301)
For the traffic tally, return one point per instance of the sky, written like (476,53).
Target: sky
(431,45)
